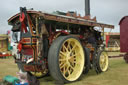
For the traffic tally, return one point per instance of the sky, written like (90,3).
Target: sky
(106,11)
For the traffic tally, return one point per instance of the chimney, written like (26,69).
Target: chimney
(87,7)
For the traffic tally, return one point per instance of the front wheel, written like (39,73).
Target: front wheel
(66,59)
(102,61)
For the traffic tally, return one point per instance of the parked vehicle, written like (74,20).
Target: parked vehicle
(123,37)
(5,46)
(62,44)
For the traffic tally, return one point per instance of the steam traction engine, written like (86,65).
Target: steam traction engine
(62,44)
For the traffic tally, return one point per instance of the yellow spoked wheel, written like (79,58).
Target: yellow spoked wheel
(66,59)
(71,59)
(103,61)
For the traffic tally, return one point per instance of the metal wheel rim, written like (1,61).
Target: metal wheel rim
(71,59)
(104,61)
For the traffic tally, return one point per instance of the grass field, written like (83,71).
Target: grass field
(117,74)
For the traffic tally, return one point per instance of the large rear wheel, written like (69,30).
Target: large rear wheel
(66,59)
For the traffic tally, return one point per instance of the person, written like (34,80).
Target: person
(92,40)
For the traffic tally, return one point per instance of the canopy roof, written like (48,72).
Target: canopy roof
(65,19)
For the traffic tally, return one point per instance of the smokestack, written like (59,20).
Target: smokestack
(87,7)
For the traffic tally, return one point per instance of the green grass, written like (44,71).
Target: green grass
(117,74)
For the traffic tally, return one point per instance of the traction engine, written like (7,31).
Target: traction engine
(63,45)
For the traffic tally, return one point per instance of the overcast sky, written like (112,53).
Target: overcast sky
(106,11)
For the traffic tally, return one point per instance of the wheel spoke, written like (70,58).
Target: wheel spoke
(104,62)
(63,65)
(101,62)
(71,67)
(71,59)
(62,53)
(69,73)
(104,65)
(76,54)
(74,62)
(74,46)
(62,59)
(66,49)
(64,71)
(69,45)
(61,56)
(67,69)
